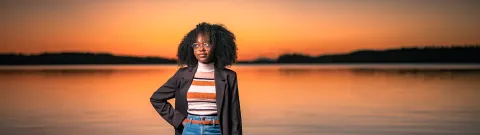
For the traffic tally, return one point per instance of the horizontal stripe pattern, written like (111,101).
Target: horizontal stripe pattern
(201,96)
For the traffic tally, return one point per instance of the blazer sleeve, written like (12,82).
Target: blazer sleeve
(236,116)
(162,106)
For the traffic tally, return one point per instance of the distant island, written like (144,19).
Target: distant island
(468,54)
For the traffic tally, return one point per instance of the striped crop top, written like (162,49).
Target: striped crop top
(201,95)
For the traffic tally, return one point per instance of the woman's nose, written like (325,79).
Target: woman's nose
(201,48)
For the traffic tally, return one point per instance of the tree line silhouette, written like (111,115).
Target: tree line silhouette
(443,54)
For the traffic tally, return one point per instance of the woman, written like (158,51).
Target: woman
(206,92)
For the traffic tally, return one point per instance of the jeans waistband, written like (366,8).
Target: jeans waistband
(200,117)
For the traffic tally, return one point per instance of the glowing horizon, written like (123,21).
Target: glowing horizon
(263,28)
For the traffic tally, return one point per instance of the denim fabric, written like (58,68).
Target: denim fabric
(199,129)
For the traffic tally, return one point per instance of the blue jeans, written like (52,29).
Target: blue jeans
(200,129)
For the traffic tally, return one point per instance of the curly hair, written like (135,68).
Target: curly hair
(224,48)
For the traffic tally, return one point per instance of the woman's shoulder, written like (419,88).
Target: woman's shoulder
(184,68)
(231,75)
(229,71)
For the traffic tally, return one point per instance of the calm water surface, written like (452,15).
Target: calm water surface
(279,99)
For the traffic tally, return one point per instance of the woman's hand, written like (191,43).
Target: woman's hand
(184,122)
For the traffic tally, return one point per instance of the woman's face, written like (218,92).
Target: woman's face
(202,48)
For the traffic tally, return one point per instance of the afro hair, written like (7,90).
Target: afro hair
(224,48)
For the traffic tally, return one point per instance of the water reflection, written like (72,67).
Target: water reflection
(281,99)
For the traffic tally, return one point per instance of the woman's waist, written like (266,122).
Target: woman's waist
(202,117)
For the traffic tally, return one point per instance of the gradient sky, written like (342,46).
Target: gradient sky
(264,28)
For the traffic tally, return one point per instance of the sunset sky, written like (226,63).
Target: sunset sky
(264,28)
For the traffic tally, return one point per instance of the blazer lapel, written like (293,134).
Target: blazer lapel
(220,86)
(187,79)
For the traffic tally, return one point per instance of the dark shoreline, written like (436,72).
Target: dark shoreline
(427,55)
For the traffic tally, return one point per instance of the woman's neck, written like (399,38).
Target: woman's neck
(205,67)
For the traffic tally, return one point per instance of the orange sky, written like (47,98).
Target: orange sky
(264,28)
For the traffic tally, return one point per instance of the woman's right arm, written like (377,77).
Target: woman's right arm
(162,106)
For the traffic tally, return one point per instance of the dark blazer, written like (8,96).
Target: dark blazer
(228,103)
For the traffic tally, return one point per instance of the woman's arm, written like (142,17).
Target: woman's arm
(162,106)
(236,113)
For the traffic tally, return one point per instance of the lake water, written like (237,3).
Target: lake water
(275,99)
